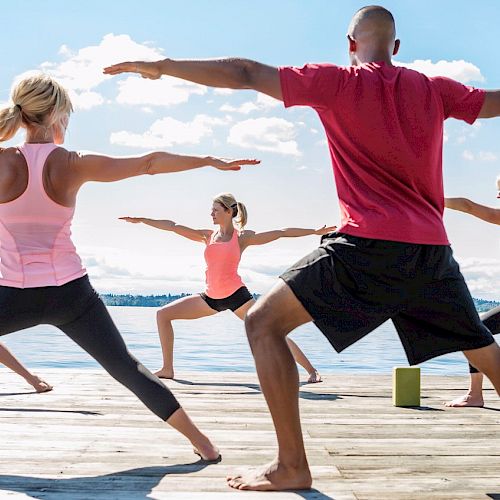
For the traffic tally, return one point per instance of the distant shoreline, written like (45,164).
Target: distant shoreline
(160,300)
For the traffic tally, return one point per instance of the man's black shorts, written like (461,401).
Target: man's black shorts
(351,285)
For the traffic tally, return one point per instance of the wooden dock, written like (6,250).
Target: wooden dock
(90,439)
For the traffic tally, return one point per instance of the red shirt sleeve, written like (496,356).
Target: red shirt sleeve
(314,85)
(459,101)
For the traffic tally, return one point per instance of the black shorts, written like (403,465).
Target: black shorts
(233,302)
(351,285)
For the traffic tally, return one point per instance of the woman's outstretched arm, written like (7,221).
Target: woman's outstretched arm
(201,235)
(488,214)
(94,167)
(248,238)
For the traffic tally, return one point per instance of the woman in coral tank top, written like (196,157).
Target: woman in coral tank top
(42,279)
(224,288)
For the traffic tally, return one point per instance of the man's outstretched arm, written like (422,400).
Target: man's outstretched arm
(491,106)
(232,73)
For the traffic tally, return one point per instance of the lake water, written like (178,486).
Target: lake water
(218,343)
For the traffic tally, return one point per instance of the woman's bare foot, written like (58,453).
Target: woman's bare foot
(473,400)
(314,377)
(273,477)
(165,373)
(207,451)
(39,385)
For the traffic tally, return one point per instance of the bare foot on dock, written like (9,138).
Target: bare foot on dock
(314,377)
(164,373)
(207,452)
(471,400)
(39,385)
(273,477)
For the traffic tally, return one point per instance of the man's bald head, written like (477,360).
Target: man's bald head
(375,22)
(372,29)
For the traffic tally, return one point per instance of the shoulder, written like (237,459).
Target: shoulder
(11,160)
(245,234)
(207,234)
(10,154)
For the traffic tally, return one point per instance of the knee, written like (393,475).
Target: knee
(163,315)
(259,325)
(122,366)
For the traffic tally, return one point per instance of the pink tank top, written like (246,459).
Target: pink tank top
(35,236)
(222,258)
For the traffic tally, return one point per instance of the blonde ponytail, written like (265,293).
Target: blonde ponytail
(239,211)
(11,119)
(242,215)
(37,100)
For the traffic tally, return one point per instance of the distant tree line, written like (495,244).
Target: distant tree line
(160,300)
(485,305)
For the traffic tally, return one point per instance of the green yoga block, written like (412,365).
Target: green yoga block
(406,386)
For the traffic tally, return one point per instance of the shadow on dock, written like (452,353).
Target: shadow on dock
(45,410)
(256,389)
(133,483)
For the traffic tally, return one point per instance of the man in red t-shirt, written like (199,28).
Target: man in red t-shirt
(391,257)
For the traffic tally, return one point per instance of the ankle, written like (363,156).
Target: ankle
(295,461)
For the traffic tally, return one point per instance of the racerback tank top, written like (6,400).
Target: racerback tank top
(35,232)
(222,258)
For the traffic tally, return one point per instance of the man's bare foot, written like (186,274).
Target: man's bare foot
(164,373)
(472,400)
(273,477)
(314,377)
(39,385)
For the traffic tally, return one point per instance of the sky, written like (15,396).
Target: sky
(293,186)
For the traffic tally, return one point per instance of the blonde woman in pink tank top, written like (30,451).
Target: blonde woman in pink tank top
(42,279)
(224,288)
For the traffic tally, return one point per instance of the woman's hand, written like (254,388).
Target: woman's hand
(150,70)
(325,230)
(226,164)
(133,220)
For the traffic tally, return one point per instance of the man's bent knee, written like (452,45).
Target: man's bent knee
(259,322)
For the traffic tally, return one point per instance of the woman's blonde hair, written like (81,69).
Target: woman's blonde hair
(228,201)
(498,182)
(36,99)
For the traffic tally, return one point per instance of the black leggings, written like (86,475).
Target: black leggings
(491,320)
(76,309)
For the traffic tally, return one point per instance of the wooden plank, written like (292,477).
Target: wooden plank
(91,438)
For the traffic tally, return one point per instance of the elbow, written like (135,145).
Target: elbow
(247,71)
(149,164)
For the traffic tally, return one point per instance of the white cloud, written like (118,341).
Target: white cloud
(265,134)
(218,91)
(81,71)
(165,92)
(167,132)
(481,156)
(265,101)
(467,155)
(482,276)
(262,102)
(487,156)
(461,70)
(244,108)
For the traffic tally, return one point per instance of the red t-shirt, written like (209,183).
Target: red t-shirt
(384,126)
